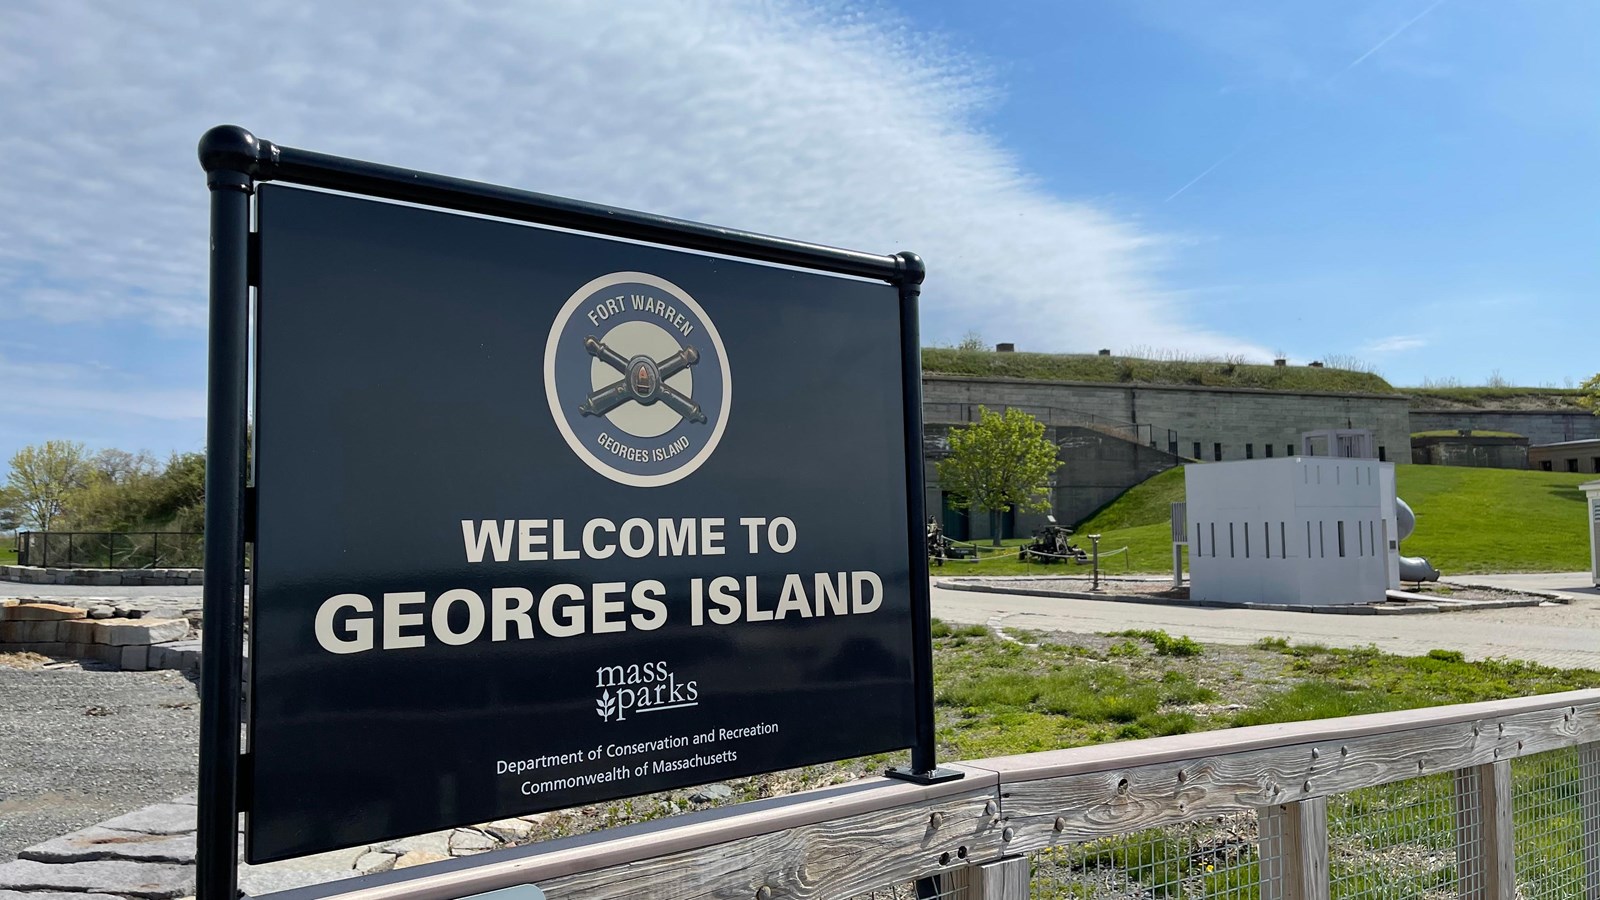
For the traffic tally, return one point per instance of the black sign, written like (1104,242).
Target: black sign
(547,519)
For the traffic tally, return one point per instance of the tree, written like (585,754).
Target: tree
(1591,395)
(997,463)
(43,476)
(10,511)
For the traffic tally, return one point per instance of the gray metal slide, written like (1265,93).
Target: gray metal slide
(1412,568)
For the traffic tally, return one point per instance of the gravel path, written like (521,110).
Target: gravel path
(79,746)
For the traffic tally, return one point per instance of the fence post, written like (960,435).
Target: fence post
(1294,850)
(1485,852)
(1589,815)
(1002,879)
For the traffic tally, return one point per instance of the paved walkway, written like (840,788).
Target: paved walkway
(1569,585)
(1566,636)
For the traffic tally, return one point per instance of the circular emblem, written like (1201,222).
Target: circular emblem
(637,379)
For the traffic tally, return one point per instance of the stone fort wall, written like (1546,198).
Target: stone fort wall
(1225,423)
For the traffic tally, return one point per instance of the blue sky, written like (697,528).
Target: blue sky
(1410,184)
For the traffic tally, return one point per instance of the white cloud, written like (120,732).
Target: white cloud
(1398,343)
(843,127)
(90,392)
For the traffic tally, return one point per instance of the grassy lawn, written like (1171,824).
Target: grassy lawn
(1496,520)
(8,554)
(1468,520)
(1052,691)
(1127,369)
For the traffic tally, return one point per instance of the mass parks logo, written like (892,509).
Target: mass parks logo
(637,379)
(650,687)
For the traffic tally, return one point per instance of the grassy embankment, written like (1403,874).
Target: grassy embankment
(1468,520)
(1133,370)
(1483,396)
(8,555)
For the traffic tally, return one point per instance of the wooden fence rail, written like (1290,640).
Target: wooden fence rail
(975,833)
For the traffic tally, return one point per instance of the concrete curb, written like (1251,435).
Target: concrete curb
(1369,609)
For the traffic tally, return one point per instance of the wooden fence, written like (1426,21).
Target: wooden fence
(1485,800)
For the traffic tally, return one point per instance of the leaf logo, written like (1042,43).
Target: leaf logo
(606,706)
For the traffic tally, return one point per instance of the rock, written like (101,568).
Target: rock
(374,862)
(434,842)
(42,612)
(465,841)
(55,895)
(711,793)
(30,631)
(302,871)
(508,830)
(124,612)
(153,881)
(81,631)
(190,798)
(162,818)
(123,632)
(94,843)
(417,858)
(100,612)
(135,658)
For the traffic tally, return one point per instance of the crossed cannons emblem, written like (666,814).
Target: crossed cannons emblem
(643,379)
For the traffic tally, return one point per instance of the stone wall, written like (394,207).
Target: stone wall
(100,577)
(1467,450)
(1175,418)
(1538,426)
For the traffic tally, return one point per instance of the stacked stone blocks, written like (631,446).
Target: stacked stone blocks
(132,644)
(100,577)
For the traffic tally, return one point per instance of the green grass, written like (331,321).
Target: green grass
(1132,370)
(1496,520)
(1000,697)
(1468,521)
(1476,432)
(8,555)
(1552,398)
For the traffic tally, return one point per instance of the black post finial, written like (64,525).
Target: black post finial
(233,157)
(910,268)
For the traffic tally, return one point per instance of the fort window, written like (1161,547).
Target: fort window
(1216,453)
(1288,449)
(1269,451)
(1545,465)
(1196,449)
(1249,451)
(1572,465)
(1383,453)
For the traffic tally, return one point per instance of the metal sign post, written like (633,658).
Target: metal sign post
(646,544)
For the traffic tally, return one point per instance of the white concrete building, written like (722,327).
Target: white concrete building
(1592,489)
(1309,531)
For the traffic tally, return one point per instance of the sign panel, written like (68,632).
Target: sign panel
(546,519)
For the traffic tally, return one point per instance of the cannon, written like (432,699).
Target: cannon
(1050,544)
(938,544)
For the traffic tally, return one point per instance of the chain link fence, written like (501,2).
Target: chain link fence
(111,549)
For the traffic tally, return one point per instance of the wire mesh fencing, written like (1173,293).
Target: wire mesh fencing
(1555,802)
(1217,857)
(1402,840)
